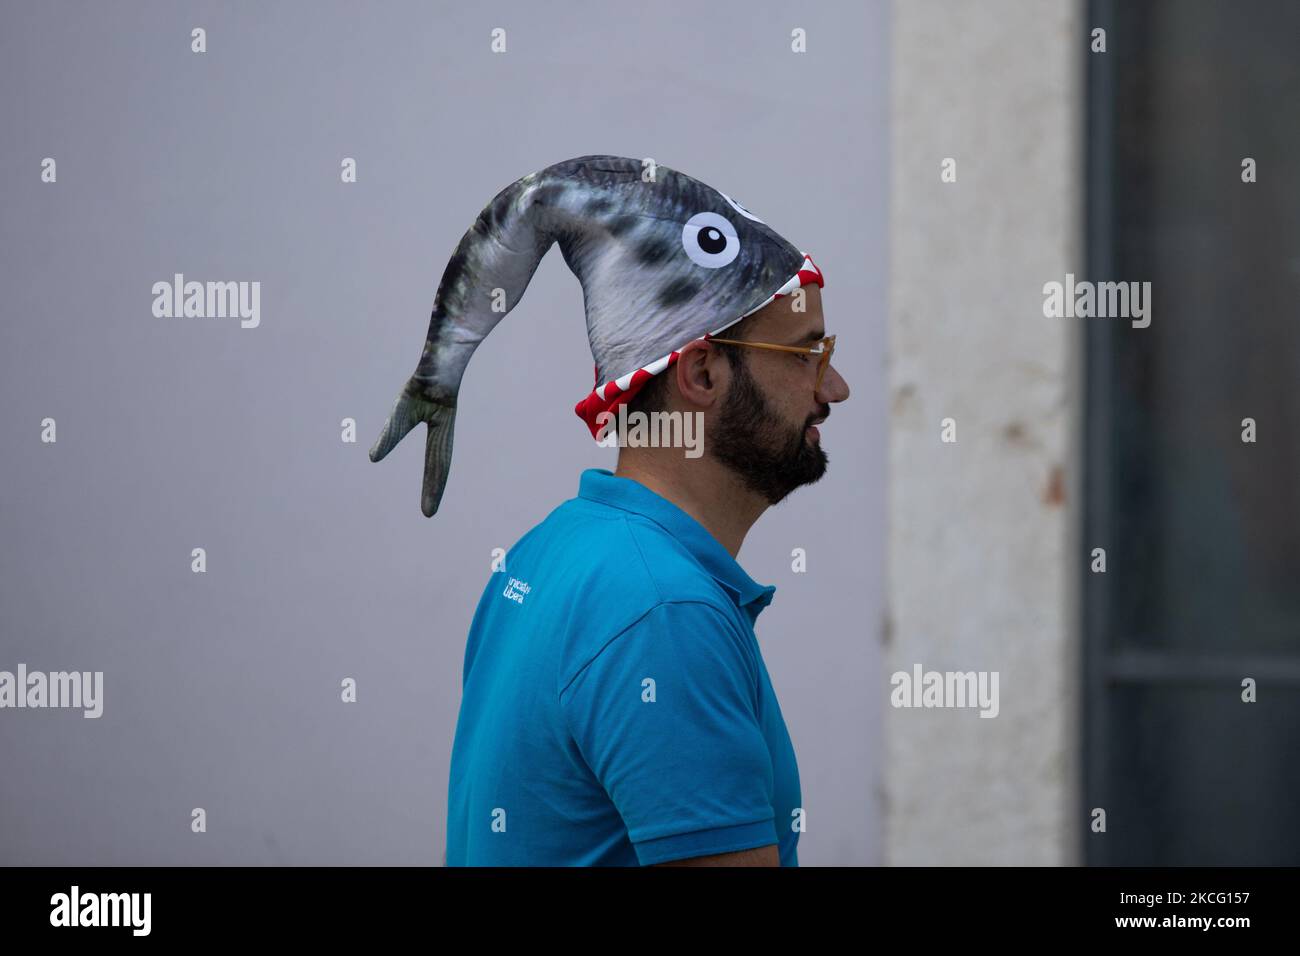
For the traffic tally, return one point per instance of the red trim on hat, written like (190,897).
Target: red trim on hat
(811,275)
(589,408)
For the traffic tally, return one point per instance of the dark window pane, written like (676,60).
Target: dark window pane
(1199,778)
(1205,553)
(1201,530)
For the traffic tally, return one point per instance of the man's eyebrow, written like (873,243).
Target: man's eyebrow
(814,336)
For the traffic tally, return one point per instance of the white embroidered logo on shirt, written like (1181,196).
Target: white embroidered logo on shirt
(517,590)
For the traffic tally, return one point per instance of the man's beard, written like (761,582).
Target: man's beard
(770,457)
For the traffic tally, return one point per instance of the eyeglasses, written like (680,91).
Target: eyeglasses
(825,348)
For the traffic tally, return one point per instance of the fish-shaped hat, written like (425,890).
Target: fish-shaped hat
(663,260)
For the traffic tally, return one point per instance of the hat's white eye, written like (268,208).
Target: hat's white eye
(710,240)
(741,209)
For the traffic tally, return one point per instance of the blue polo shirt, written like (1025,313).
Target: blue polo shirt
(616,710)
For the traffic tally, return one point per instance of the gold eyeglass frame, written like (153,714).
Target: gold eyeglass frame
(825,348)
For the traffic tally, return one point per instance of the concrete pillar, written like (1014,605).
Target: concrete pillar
(982,553)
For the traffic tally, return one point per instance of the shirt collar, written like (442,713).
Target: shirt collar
(603,486)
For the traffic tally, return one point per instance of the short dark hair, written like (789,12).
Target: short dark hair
(653,396)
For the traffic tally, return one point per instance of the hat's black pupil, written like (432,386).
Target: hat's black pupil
(712,240)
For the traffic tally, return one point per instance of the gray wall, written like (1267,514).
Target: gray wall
(222,688)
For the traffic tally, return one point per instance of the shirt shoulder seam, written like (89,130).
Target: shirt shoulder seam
(631,533)
(641,617)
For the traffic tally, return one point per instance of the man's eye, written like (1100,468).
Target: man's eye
(805,358)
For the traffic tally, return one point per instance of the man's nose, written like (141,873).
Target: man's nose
(834,387)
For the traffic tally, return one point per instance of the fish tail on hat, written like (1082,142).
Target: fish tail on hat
(408,411)
(485,278)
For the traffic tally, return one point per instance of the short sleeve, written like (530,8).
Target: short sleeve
(665,716)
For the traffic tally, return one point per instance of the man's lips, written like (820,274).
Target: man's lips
(812,428)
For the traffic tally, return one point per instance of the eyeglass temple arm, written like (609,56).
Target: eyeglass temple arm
(806,350)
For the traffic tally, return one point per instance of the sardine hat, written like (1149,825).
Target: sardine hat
(663,260)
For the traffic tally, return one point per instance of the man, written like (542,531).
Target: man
(616,709)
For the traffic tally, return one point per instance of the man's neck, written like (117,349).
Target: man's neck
(709,492)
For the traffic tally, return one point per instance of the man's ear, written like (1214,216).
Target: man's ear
(701,374)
